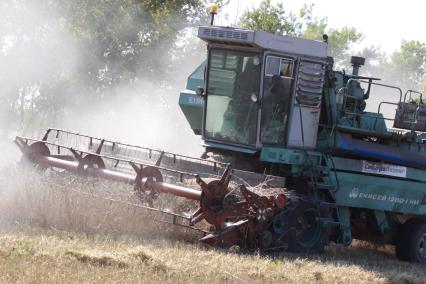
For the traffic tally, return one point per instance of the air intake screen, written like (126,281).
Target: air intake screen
(228,34)
(310,83)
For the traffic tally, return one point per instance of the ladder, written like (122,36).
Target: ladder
(323,181)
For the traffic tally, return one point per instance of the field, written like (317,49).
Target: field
(60,229)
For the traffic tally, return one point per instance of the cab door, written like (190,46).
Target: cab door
(277,96)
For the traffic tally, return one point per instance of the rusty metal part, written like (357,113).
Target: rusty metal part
(243,222)
(238,215)
(143,180)
(280,200)
(36,149)
(90,162)
(229,236)
(211,203)
(123,151)
(94,166)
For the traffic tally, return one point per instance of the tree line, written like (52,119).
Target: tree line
(405,67)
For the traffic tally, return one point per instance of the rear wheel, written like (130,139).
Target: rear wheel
(411,241)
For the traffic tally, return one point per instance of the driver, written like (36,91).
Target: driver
(274,109)
(240,113)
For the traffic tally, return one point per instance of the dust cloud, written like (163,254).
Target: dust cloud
(35,52)
(146,114)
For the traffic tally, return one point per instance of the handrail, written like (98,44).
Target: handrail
(386,103)
(377,84)
(415,92)
(378,112)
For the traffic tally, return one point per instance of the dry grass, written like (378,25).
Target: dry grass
(63,202)
(52,232)
(29,255)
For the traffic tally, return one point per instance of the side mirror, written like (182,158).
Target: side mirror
(199,91)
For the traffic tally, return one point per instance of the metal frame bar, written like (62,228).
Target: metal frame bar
(91,138)
(377,84)
(117,160)
(415,92)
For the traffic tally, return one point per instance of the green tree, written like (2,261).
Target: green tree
(376,61)
(272,18)
(121,38)
(28,55)
(340,42)
(407,65)
(423,85)
(275,19)
(58,52)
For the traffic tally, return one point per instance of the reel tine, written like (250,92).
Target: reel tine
(159,159)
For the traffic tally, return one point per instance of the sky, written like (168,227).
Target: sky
(383,23)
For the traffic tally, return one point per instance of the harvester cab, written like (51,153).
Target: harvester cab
(257,87)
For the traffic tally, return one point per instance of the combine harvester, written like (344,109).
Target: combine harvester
(273,107)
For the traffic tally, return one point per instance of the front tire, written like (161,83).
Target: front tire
(306,233)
